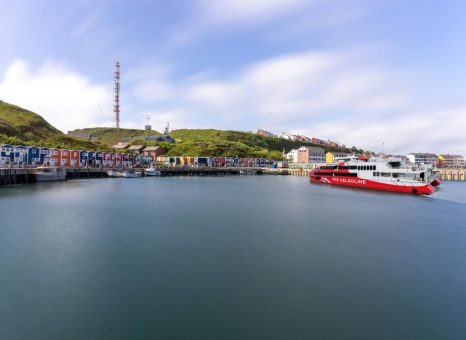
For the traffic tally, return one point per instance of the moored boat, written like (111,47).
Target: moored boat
(131,174)
(152,172)
(391,174)
(49,174)
(113,173)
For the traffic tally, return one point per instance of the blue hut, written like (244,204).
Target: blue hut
(20,155)
(99,158)
(7,155)
(33,155)
(83,158)
(44,155)
(91,158)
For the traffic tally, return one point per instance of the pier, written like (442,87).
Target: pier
(452,174)
(14,176)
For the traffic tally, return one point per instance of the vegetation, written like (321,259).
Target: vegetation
(210,142)
(111,136)
(22,127)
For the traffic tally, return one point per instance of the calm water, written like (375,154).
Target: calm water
(230,258)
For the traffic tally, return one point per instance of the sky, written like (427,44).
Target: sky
(387,76)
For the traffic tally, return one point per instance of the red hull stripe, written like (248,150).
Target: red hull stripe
(357,182)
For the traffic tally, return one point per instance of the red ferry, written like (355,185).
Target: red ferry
(391,174)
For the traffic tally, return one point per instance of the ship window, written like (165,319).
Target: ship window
(374,174)
(395,175)
(385,174)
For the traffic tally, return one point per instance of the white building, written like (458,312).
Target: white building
(422,158)
(452,161)
(292,156)
(285,135)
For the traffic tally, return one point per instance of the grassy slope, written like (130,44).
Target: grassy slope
(111,136)
(210,142)
(20,126)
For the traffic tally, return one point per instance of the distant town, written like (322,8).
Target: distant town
(315,155)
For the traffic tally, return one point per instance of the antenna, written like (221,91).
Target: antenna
(116,105)
(148,126)
(167,129)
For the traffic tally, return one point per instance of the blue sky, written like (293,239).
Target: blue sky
(357,71)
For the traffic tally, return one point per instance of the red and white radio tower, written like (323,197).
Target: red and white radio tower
(116,106)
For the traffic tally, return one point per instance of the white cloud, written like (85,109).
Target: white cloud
(439,131)
(247,10)
(150,84)
(301,86)
(65,98)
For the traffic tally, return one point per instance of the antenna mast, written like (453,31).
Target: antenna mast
(116,105)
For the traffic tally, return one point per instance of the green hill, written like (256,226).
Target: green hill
(205,142)
(210,142)
(111,136)
(22,127)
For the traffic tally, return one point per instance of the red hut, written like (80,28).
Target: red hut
(65,157)
(55,157)
(74,157)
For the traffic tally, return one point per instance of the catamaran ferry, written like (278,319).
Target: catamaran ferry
(392,174)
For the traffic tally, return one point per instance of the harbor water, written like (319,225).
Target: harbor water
(234,257)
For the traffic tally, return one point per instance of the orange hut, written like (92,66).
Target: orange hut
(74,157)
(55,157)
(65,157)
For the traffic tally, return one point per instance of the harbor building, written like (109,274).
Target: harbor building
(55,157)
(20,155)
(7,154)
(33,156)
(137,149)
(287,136)
(422,158)
(292,156)
(44,156)
(153,151)
(330,157)
(65,157)
(311,154)
(451,161)
(264,133)
(74,157)
(98,158)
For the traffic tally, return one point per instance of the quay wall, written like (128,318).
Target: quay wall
(451,174)
(13,176)
(446,174)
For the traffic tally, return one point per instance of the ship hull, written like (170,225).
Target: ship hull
(356,182)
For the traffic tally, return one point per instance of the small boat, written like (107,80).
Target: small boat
(113,173)
(49,174)
(246,172)
(131,174)
(152,172)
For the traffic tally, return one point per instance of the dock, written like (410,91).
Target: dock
(14,176)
